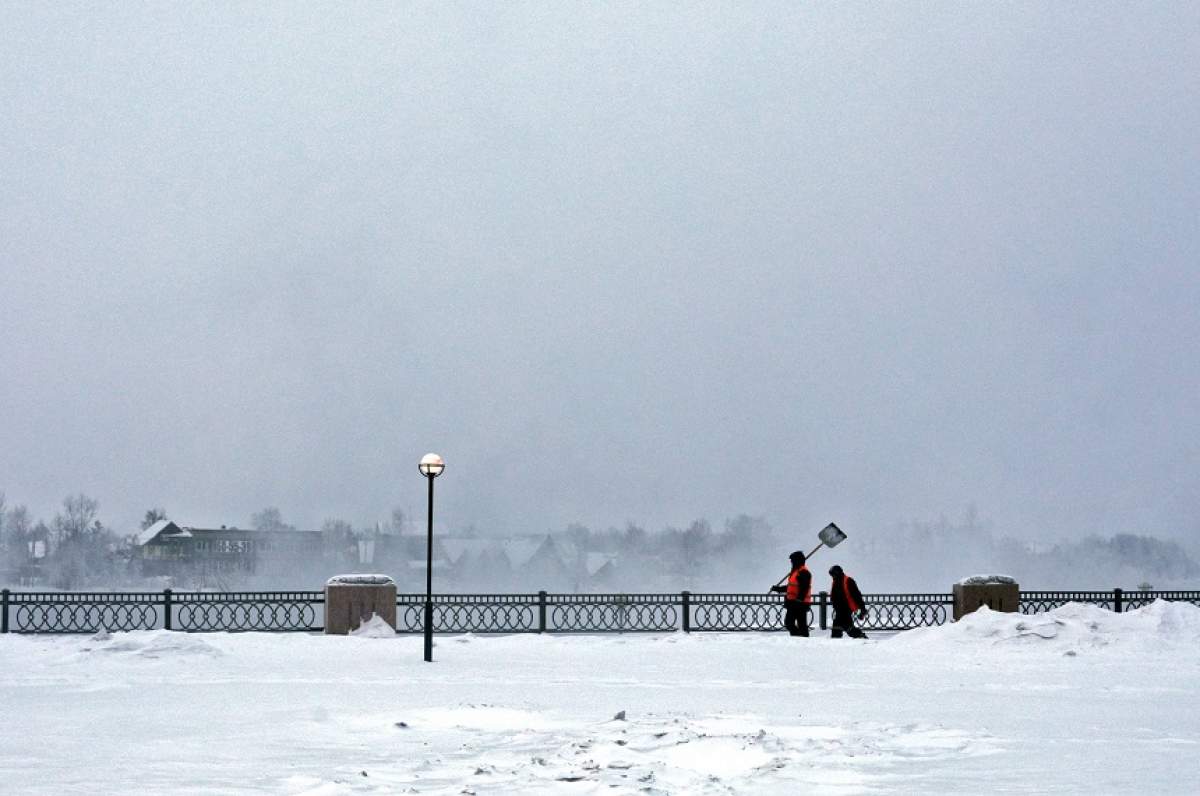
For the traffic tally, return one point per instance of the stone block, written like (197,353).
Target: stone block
(350,600)
(997,592)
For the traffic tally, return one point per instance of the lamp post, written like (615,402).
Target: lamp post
(431,467)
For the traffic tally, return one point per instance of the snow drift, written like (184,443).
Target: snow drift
(1078,700)
(1073,626)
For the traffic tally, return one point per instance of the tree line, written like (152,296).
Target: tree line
(75,550)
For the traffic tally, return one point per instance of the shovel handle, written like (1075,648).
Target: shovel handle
(810,555)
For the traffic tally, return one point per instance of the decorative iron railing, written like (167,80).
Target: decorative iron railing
(80,612)
(605,613)
(739,612)
(469,613)
(542,612)
(1119,600)
(1038,602)
(736,612)
(236,611)
(1140,599)
(91,612)
(906,611)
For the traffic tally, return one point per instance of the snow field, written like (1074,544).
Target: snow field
(1078,700)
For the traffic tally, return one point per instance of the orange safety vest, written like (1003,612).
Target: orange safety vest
(793,589)
(846,581)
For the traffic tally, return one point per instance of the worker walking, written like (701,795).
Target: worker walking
(797,596)
(847,601)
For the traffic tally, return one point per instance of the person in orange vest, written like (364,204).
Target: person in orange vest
(847,601)
(797,596)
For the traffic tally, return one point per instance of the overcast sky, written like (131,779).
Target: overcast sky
(644,262)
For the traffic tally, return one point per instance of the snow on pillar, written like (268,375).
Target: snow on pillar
(997,592)
(350,600)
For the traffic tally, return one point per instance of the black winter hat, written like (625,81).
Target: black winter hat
(835,570)
(797,558)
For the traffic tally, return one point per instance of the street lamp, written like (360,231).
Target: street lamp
(431,467)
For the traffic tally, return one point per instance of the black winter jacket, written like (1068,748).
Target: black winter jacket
(837,594)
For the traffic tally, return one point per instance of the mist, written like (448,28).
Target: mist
(75,550)
(616,264)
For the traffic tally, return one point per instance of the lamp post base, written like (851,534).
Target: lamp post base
(428,631)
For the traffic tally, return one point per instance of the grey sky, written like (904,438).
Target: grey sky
(612,262)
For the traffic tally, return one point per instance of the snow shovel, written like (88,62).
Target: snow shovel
(830,536)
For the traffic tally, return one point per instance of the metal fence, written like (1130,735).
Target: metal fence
(1037,602)
(739,612)
(90,612)
(1119,600)
(541,612)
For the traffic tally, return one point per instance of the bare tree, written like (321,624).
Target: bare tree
(7,546)
(152,516)
(25,543)
(269,519)
(694,547)
(4,543)
(579,535)
(20,528)
(83,548)
(78,514)
(337,537)
(633,540)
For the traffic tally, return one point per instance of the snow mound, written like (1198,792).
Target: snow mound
(1073,626)
(986,580)
(360,580)
(150,644)
(375,627)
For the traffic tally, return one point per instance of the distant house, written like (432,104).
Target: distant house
(519,563)
(169,549)
(600,571)
(467,560)
(27,560)
(537,563)
(406,558)
(590,570)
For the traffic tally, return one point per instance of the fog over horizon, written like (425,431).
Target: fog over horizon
(870,264)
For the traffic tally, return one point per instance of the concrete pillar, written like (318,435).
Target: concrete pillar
(350,600)
(997,592)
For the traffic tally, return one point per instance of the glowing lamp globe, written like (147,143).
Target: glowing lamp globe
(431,465)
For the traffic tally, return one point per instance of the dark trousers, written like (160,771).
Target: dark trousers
(843,622)
(795,617)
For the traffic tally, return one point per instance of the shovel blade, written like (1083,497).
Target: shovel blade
(831,535)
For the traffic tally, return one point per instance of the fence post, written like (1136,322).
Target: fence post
(687,611)
(166,609)
(542,611)
(823,601)
(3,610)
(1117,594)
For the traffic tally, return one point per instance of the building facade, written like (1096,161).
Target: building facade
(167,549)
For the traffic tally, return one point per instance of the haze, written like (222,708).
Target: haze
(855,262)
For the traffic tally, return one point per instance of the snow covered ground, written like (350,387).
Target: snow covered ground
(1079,700)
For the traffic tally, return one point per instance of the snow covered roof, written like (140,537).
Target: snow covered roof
(568,550)
(596,562)
(166,528)
(162,526)
(521,551)
(456,548)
